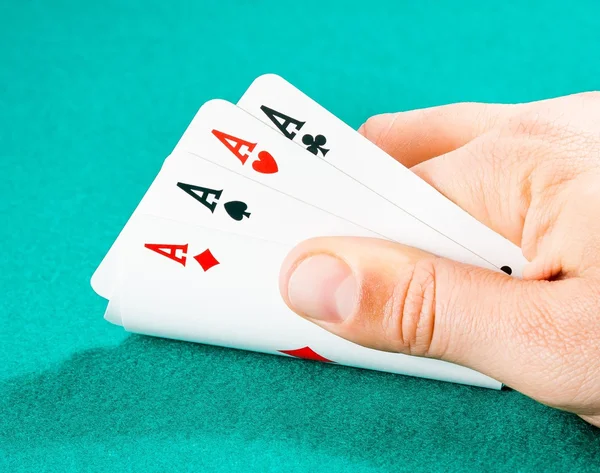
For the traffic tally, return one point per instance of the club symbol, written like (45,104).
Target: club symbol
(206,260)
(315,144)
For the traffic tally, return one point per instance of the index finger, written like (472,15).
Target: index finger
(418,135)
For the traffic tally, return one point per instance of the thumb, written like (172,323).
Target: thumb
(394,298)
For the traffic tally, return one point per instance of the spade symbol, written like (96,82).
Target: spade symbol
(237,210)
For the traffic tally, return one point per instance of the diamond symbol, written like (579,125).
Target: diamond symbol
(206,260)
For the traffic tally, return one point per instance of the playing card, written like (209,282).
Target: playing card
(193,190)
(303,121)
(202,285)
(230,137)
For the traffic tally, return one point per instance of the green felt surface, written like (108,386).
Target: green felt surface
(94,95)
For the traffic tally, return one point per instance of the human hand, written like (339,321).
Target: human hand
(531,172)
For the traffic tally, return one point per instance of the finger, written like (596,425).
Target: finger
(519,180)
(485,180)
(389,297)
(415,136)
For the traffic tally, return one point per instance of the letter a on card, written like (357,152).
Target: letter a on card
(282,121)
(201,194)
(235,144)
(170,251)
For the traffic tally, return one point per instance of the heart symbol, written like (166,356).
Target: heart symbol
(237,210)
(265,163)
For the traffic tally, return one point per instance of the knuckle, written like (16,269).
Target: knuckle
(488,116)
(409,315)
(530,123)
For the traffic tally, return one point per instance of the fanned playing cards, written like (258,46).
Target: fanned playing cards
(199,258)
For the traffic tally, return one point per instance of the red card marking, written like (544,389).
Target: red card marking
(234,144)
(306,353)
(170,251)
(265,163)
(206,260)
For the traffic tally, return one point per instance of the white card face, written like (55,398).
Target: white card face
(230,137)
(202,285)
(302,120)
(192,190)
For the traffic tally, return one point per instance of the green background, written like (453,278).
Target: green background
(94,95)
